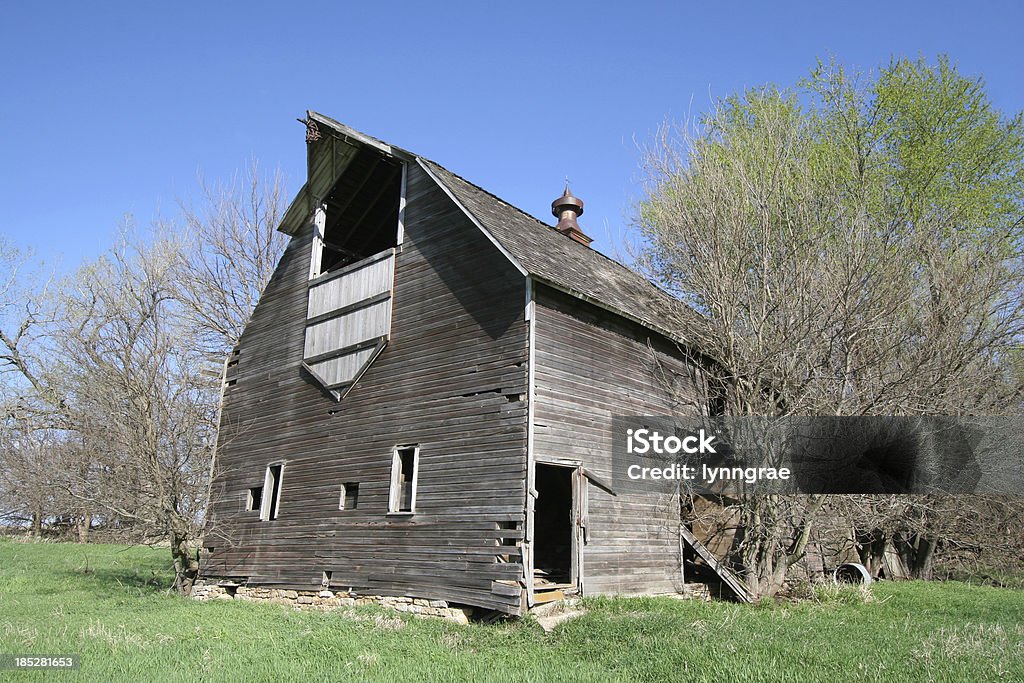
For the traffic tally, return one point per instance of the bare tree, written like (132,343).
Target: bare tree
(30,452)
(111,374)
(25,310)
(26,489)
(126,417)
(232,248)
(139,401)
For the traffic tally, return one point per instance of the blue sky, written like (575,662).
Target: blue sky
(114,109)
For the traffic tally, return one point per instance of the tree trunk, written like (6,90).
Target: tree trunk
(84,525)
(37,523)
(918,553)
(871,549)
(924,559)
(774,543)
(186,564)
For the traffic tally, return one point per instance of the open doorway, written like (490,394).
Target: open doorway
(361,213)
(554,541)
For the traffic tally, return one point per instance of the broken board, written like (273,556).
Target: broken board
(723,572)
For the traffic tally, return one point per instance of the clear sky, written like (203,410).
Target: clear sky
(112,108)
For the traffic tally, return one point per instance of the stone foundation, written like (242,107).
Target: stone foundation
(696,591)
(327,600)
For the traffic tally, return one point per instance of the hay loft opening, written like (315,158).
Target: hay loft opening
(361,211)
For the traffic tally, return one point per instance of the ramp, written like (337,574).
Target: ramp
(723,572)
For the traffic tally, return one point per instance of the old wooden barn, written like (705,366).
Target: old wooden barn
(420,403)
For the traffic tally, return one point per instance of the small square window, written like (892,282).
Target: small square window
(254,499)
(349,496)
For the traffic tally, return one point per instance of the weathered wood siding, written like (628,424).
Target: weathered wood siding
(352,285)
(348,320)
(452,379)
(590,366)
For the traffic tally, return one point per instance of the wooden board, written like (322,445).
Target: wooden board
(723,572)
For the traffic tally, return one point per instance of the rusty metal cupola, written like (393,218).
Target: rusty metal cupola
(566,208)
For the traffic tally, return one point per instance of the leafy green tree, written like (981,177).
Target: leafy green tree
(855,246)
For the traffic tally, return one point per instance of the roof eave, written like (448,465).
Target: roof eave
(582,296)
(353,134)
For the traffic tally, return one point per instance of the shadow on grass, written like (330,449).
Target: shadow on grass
(112,582)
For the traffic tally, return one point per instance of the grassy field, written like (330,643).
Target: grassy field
(109,605)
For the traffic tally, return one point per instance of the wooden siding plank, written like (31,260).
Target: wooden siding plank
(348,330)
(375,276)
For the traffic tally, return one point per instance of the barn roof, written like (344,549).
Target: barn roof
(543,253)
(556,260)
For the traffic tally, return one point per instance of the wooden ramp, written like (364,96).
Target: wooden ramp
(723,572)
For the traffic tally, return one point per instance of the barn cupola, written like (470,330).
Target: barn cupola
(566,208)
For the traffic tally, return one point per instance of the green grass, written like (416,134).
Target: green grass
(991,576)
(109,604)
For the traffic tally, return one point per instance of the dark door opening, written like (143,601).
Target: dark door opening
(553,527)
